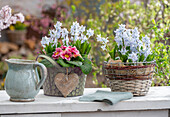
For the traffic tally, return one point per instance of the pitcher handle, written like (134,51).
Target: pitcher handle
(43,72)
(49,59)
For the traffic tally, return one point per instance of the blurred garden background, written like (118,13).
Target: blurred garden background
(152,17)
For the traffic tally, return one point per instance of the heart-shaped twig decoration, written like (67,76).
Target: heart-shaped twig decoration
(65,83)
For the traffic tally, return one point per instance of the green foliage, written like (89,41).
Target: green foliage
(161,51)
(86,67)
(143,16)
(84,48)
(18,26)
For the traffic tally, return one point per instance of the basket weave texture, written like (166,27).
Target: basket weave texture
(17,36)
(129,77)
(50,88)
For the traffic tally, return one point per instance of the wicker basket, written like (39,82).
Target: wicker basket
(17,36)
(129,77)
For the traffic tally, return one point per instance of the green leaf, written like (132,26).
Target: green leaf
(78,58)
(86,67)
(46,63)
(63,63)
(113,52)
(76,63)
(84,45)
(59,44)
(142,57)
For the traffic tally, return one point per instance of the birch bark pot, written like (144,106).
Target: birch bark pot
(22,82)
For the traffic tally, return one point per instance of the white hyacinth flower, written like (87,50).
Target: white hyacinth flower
(64,33)
(45,41)
(123,51)
(133,57)
(147,52)
(58,25)
(135,34)
(90,32)
(83,38)
(103,47)
(82,28)
(120,30)
(99,38)
(118,41)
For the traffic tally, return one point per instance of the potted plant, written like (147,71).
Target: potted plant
(17,33)
(7,19)
(131,64)
(68,51)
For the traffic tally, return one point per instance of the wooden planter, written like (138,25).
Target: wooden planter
(51,89)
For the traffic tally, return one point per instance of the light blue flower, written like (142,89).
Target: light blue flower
(135,34)
(120,30)
(147,52)
(133,56)
(118,41)
(123,51)
(146,40)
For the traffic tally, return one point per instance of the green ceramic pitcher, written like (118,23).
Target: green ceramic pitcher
(22,80)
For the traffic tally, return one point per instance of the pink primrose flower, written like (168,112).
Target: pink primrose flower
(63,47)
(66,55)
(76,53)
(57,53)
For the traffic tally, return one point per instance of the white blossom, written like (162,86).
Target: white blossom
(99,38)
(146,40)
(75,28)
(58,25)
(45,41)
(6,18)
(120,30)
(66,40)
(123,51)
(82,28)
(5,14)
(135,34)
(118,41)
(76,37)
(103,47)
(19,17)
(133,56)
(90,32)
(64,33)
(83,38)
(147,52)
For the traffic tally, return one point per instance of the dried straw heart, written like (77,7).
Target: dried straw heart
(64,84)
